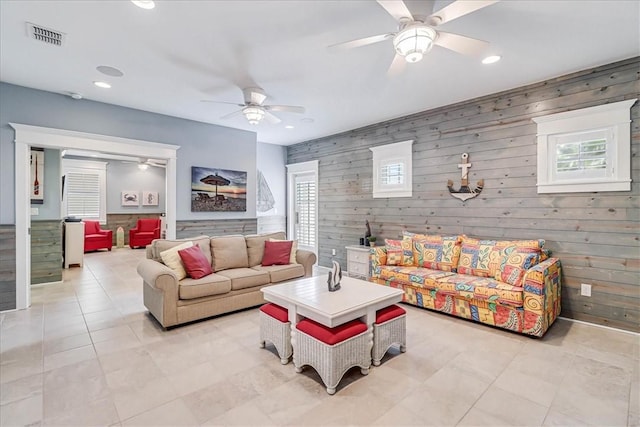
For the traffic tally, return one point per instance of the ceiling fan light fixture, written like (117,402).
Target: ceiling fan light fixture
(143,166)
(414,41)
(253,114)
(144,4)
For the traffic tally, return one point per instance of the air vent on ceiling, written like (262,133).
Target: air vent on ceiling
(46,35)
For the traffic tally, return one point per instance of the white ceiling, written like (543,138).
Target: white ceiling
(183,52)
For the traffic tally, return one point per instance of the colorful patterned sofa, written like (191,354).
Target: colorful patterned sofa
(509,284)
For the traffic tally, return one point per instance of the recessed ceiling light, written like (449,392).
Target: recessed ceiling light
(288,127)
(144,4)
(109,71)
(75,95)
(103,85)
(491,59)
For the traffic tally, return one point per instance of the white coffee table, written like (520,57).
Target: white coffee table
(310,297)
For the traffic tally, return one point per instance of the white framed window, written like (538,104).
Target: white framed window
(85,189)
(585,150)
(302,204)
(392,170)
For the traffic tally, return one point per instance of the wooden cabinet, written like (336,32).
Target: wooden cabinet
(358,261)
(73,243)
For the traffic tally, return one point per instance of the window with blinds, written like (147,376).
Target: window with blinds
(83,195)
(392,170)
(306,212)
(84,192)
(392,174)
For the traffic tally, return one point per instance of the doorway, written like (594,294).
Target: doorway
(302,204)
(27,136)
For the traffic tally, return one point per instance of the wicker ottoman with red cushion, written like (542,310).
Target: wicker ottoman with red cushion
(332,351)
(276,328)
(389,329)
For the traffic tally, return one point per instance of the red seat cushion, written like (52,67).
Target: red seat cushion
(331,336)
(195,262)
(275,311)
(389,313)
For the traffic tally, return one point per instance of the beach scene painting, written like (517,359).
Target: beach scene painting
(218,190)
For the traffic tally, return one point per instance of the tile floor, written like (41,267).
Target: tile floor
(87,353)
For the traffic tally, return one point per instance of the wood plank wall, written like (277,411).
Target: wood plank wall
(46,251)
(7,267)
(272,223)
(216,227)
(596,235)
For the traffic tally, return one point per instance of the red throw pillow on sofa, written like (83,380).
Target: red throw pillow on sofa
(276,253)
(195,262)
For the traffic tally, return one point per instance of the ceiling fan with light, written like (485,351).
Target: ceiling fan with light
(254,108)
(416,35)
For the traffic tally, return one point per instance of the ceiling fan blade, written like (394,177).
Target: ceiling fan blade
(222,102)
(457,9)
(397,9)
(461,44)
(286,108)
(254,95)
(397,65)
(362,42)
(271,118)
(235,113)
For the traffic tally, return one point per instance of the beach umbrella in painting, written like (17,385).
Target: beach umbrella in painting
(215,180)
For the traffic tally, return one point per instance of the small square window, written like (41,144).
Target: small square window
(392,170)
(585,150)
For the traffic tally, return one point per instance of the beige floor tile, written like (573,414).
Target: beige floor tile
(22,412)
(290,401)
(56,345)
(477,417)
(195,377)
(558,419)
(18,369)
(242,415)
(174,413)
(528,385)
(60,401)
(69,374)
(69,357)
(134,400)
(513,409)
(22,388)
(215,400)
(578,403)
(100,412)
(399,416)
(346,410)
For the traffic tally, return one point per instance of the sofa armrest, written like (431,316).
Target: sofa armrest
(307,259)
(377,257)
(542,288)
(158,276)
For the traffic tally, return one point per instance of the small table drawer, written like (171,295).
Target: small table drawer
(359,256)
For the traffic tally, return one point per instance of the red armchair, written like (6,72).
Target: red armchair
(95,238)
(144,232)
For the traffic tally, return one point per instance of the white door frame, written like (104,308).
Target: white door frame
(294,170)
(27,136)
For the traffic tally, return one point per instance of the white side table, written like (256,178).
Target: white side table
(73,243)
(358,261)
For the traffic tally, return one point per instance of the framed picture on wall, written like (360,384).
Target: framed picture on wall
(130,198)
(37,176)
(218,190)
(149,198)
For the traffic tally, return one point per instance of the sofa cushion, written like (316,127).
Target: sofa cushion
(276,311)
(331,336)
(514,264)
(161,245)
(171,258)
(255,245)
(294,249)
(393,251)
(481,288)
(438,252)
(242,278)
(276,253)
(280,273)
(422,277)
(213,284)
(482,257)
(195,262)
(229,252)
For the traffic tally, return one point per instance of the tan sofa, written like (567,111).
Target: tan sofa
(235,284)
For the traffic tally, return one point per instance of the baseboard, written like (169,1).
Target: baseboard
(37,285)
(599,326)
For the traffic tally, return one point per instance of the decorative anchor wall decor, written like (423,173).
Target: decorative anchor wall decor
(465,193)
